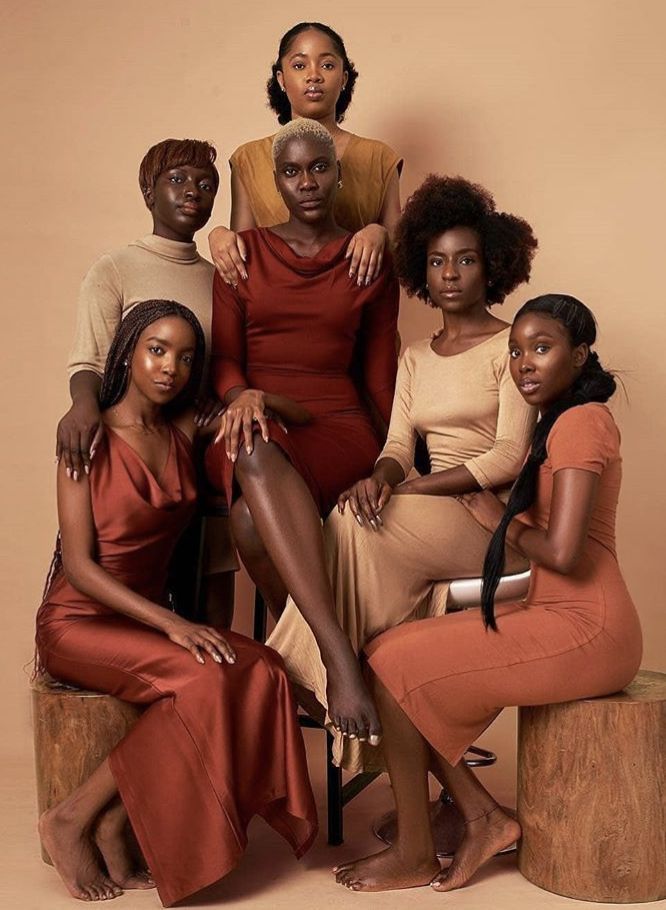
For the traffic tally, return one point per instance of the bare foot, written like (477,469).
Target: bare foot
(110,835)
(73,855)
(484,837)
(385,871)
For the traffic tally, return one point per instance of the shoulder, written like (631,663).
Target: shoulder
(586,435)
(253,151)
(373,153)
(416,353)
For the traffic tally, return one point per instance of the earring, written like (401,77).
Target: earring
(490,284)
(125,364)
(339,184)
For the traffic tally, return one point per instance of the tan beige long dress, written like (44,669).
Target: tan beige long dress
(470,413)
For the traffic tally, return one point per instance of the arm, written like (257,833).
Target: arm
(367,246)
(368,497)
(227,249)
(78,547)
(500,464)
(100,309)
(378,334)
(559,547)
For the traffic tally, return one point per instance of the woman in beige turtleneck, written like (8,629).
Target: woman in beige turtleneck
(393,537)
(179,181)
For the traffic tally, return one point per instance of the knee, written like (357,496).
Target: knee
(255,464)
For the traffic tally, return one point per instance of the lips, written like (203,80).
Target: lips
(167,386)
(310,203)
(314,93)
(189,208)
(527,386)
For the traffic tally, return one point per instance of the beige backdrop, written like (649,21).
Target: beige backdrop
(556,106)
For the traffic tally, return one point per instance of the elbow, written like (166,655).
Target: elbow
(564,561)
(75,573)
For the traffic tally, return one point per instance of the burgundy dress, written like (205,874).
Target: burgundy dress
(217,744)
(301,327)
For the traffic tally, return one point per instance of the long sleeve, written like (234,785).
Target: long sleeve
(227,367)
(401,438)
(515,423)
(379,329)
(100,310)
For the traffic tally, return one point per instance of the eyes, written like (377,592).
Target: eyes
(158,351)
(541,348)
(319,168)
(437,261)
(329,65)
(204,184)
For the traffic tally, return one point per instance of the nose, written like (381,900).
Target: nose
(313,74)
(169,365)
(450,269)
(307,181)
(192,190)
(524,364)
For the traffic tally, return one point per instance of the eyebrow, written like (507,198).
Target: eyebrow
(534,335)
(467,249)
(303,54)
(319,160)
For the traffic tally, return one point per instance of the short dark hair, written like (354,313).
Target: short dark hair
(442,203)
(176,153)
(277,99)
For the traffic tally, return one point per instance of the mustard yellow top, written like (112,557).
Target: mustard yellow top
(366,164)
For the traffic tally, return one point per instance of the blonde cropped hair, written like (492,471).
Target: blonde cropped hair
(302,128)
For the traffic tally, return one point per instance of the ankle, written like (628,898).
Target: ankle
(482,816)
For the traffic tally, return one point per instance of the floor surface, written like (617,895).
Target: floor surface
(268,877)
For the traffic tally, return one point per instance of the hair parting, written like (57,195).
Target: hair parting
(593,384)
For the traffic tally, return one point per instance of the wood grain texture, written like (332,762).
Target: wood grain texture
(74,732)
(592,794)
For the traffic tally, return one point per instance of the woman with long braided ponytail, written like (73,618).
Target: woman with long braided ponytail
(438,683)
(216,704)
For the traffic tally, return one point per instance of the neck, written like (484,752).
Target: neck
(327,120)
(459,324)
(161,230)
(312,232)
(134,409)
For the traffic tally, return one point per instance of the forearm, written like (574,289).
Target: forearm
(90,579)
(387,470)
(540,548)
(451,482)
(84,387)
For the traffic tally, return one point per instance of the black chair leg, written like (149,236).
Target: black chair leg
(260,617)
(333,796)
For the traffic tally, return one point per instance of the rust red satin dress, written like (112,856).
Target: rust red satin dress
(301,327)
(217,743)
(574,636)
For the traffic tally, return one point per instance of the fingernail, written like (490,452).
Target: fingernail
(68,472)
(233,458)
(86,468)
(232,660)
(56,461)
(244,274)
(92,453)
(351,274)
(358,519)
(367,281)
(374,739)
(359,282)
(217,658)
(75,475)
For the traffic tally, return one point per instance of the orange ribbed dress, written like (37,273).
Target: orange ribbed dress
(574,636)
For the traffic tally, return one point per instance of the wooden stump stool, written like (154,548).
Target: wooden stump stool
(74,732)
(592,794)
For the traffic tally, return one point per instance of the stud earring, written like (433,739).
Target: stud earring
(339,184)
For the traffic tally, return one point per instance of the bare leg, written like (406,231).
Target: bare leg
(411,861)
(288,522)
(111,840)
(488,828)
(66,829)
(256,560)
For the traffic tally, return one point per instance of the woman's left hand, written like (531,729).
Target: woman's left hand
(366,249)
(208,407)
(485,508)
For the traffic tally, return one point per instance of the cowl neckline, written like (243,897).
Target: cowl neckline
(328,257)
(160,492)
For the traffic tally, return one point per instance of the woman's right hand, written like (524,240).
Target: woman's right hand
(229,254)
(77,436)
(247,407)
(198,640)
(366,499)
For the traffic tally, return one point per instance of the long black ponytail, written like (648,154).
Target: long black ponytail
(593,384)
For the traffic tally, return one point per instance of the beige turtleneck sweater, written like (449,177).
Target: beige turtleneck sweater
(152,268)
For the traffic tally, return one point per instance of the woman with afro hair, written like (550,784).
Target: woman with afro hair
(313,77)
(393,536)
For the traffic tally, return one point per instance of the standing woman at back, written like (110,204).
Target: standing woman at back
(313,77)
